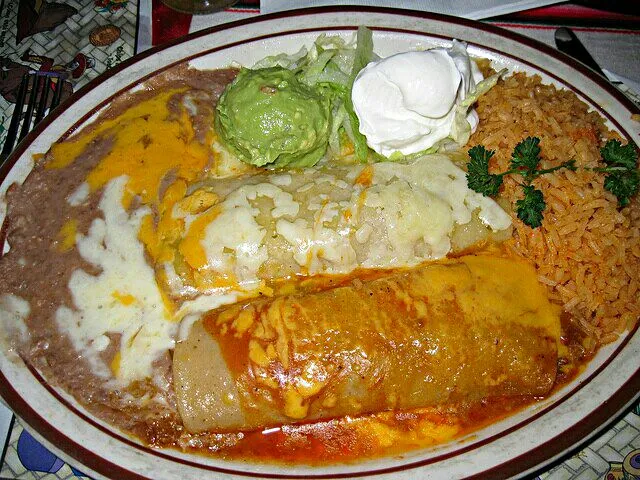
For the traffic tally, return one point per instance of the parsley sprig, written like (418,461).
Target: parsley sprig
(525,161)
(531,206)
(478,177)
(622,177)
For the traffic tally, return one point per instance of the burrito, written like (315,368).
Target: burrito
(458,330)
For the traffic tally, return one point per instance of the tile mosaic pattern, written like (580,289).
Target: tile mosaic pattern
(604,457)
(68,39)
(25,458)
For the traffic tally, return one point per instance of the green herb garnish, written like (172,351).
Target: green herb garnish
(478,177)
(525,160)
(526,156)
(622,177)
(530,207)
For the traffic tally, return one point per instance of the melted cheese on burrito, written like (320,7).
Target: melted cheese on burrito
(458,331)
(239,233)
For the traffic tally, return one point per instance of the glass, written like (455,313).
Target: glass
(199,6)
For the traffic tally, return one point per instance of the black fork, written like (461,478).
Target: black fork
(36,86)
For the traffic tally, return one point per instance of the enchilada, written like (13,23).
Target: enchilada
(462,330)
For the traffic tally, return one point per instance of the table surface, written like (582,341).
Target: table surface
(60,34)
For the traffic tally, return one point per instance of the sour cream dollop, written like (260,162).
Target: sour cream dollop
(407,102)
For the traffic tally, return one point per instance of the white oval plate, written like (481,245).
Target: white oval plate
(515,446)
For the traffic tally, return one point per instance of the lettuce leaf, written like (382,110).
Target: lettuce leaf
(291,62)
(363,55)
(460,129)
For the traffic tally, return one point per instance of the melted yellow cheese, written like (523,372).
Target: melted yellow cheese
(191,246)
(198,201)
(67,235)
(160,239)
(115,364)
(125,299)
(146,148)
(494,291)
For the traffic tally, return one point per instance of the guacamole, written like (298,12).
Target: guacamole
(268,118)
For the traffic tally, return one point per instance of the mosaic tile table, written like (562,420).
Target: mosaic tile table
(41,35)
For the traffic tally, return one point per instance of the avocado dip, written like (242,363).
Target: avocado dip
(268,118)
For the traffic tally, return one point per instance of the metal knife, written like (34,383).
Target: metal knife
(568,42)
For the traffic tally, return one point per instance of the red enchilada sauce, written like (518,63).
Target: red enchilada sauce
(351,439)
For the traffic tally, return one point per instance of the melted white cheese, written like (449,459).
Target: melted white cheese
(323,224)
(205,303)
(439,176)
(416,220)
(14,311)
(123,299)
(318,248)
(79,195)
(234,240)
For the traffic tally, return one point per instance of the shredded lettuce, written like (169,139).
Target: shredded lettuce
(363,55)
(481,88)
(283,60)
(339,115)
(331,64)
(460,129)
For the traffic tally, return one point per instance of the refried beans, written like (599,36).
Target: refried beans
(37,269)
